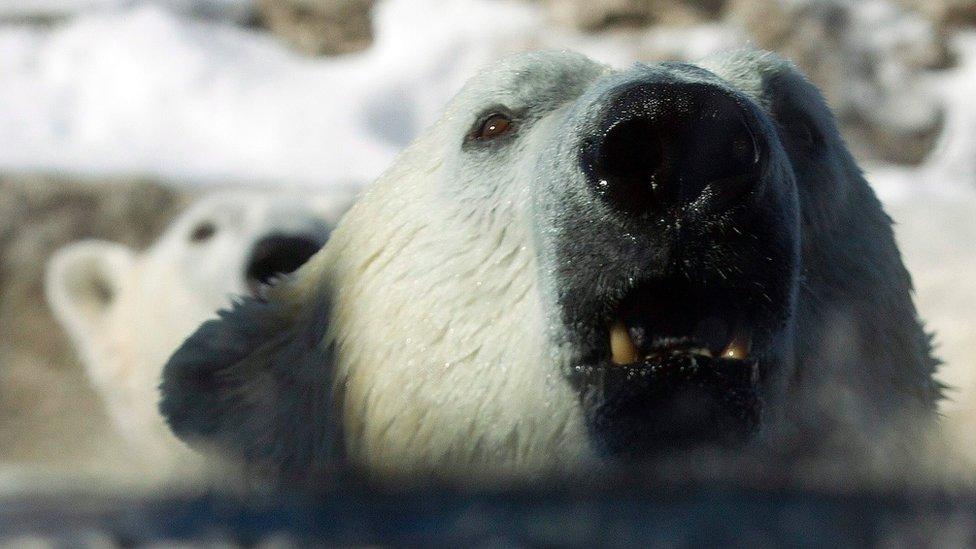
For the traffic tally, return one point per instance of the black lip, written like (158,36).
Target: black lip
(673,397)
(669,403)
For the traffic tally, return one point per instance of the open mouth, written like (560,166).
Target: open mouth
(680,369)
(661,320)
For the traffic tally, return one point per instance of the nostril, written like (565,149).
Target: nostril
(630,164)
(277,255)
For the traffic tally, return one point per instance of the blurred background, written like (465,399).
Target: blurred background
(117,115)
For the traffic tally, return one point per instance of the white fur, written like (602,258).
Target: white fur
(467,379)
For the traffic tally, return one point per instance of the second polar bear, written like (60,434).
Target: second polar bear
(126,311)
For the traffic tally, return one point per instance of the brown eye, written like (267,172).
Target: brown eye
(203,232)
(495,125)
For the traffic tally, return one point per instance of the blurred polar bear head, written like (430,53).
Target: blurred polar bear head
(125,310)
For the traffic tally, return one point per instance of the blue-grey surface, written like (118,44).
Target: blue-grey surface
(675,515)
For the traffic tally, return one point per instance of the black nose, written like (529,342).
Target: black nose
(278,254)
(667,145)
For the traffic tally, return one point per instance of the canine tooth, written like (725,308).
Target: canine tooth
(622,348)
(739,348)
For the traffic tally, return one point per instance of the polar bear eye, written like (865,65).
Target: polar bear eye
(203,232)
(491,126)
(497,124)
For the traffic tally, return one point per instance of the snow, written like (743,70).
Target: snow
(934,209)
(231,10)
(906,44)
(174,89)
(147,90)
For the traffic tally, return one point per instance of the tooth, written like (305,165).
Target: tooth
(622,348)
(739,348)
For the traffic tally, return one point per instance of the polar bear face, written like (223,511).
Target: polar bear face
(549,166)
(126,311)
(576,264)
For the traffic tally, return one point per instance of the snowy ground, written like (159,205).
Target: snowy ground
(175,90)
(150,90)
(145,90)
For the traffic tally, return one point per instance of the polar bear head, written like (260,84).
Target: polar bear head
(577,264)
(126,311)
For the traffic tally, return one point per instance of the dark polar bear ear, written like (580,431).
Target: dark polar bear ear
(82,282)
(257,385)
(857,327)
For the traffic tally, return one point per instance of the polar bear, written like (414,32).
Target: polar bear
(127,311)
(48,413)
(574,266)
